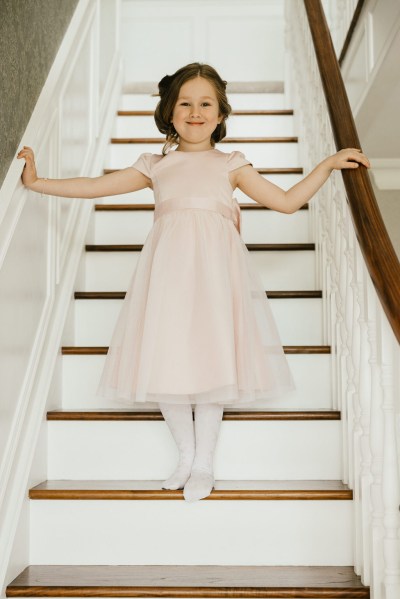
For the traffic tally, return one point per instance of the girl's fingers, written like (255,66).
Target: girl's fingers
(26,153)
(25,150)
(353,160)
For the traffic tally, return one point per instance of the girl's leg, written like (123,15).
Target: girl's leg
(208,419)
(179,418)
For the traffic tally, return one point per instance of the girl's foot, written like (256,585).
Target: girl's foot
(179,419)
(178,479)
(199,485)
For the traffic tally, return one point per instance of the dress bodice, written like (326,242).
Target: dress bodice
(191,174)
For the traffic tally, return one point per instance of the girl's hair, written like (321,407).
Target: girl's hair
(169,88)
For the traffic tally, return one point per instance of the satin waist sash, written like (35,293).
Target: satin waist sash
(203,203)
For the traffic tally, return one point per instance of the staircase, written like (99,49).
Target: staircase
(280,520)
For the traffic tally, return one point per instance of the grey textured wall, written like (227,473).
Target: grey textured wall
(31,32)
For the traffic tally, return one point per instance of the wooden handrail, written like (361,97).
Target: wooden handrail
(375,244)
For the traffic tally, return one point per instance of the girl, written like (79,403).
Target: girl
(195,326)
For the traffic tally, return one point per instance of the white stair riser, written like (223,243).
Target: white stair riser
(145,450)
(146,196)
(250,101)
(299,321)
(265,226)
(81,374)
(278,270)
(269,155)
(243,533)
(236,126)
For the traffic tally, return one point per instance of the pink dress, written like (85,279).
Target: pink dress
(195,325)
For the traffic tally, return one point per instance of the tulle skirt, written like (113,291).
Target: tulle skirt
(195,325)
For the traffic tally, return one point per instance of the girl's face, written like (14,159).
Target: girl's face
(196,114)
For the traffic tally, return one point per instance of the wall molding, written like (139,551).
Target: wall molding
(386,172)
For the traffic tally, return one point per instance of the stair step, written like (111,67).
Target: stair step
(81,373)
(277,448)
(237,100)
(128,415)
(276,152)
(90,295)
(101,350)
(238,140)
(276,269)
(135,207)
(288,532)
(224,490)
(283,180)
(299,321)
(188,581)
(240,124)
(277,112)
(131,223)
(265,247)
(262,170)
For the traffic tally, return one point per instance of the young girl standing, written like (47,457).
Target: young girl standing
(195,326)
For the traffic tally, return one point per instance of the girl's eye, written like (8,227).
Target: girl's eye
(184,103)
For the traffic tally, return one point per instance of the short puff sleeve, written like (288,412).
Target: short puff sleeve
(237,159)
(144,164)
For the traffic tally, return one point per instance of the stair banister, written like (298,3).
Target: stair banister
(359,273)
(41,245)
(375,244)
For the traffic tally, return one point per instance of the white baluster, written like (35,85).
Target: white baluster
(376,446)
(365,383)
(390,471)
(365,396)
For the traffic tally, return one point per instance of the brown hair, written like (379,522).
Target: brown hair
(169,88)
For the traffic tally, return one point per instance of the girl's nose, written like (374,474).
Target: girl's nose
(195,112)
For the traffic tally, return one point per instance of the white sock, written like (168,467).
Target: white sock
(208,419)
(179,418)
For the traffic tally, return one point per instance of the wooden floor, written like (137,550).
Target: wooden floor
(224,490)
(188,581)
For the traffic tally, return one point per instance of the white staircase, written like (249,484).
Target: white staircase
(279,499)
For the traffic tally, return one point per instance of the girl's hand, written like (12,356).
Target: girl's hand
(29,174)
(347,158)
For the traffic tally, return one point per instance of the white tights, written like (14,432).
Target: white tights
(196,444)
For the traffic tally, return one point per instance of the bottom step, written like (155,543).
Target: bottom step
(188,581)
(258,523)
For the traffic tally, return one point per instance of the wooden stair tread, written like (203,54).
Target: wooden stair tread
(119,295)
(188,581)
(244,140)
(135,207)
(137,247)
(277,490)
(288,349)
(254,112)
(128,415)
(262,170)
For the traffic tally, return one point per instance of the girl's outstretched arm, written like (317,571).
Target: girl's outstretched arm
(123,181)
(272,196)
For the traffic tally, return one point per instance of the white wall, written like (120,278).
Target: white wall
(237,38)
